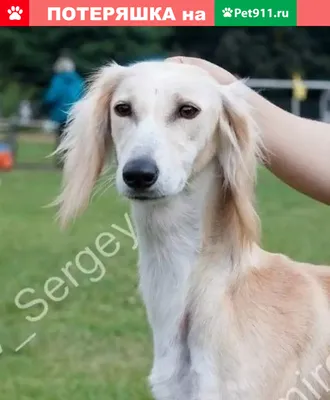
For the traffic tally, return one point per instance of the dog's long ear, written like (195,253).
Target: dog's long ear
(86,143)
(239,151)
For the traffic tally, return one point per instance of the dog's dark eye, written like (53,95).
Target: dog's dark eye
(123,110)
(188,111)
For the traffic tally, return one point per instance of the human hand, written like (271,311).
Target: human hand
(220,74)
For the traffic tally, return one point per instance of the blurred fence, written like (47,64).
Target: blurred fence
(320,89)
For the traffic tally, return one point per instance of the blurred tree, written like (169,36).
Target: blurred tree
(28,54)
(273,52)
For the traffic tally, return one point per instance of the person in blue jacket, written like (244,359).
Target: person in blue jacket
(66,88)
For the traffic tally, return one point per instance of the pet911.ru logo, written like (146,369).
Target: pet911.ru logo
(228,12)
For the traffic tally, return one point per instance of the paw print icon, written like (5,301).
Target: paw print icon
(227,12)
(15,13)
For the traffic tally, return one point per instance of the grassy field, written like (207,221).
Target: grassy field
(95,343)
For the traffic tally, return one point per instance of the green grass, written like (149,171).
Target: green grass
(29,152)
(95,344)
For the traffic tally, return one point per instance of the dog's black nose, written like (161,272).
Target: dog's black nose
(140,173)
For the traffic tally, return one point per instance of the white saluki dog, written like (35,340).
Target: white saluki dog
(230,321)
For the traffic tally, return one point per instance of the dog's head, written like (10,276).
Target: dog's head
(164,122)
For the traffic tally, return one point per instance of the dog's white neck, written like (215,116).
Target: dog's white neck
(170,236)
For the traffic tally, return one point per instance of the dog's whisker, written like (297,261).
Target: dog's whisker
(105,183)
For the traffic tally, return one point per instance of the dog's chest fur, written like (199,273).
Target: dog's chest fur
(170,243)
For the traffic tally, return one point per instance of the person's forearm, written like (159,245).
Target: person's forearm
(298,149)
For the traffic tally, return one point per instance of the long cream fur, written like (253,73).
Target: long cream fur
(87,142)
(230,321)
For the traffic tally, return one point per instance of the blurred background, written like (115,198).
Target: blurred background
(95,343)
(28,54)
